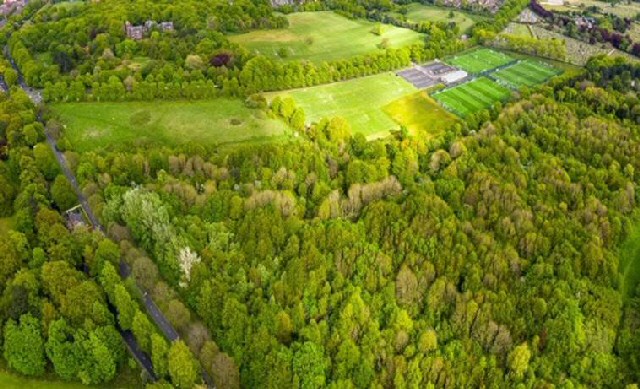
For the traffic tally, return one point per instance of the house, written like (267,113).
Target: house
(138,32)
(11,6)
(585,22)
(166,26)
(134,32)
(75,217)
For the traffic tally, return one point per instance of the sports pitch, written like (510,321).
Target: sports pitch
(472,96)
(525,73)
(480,60)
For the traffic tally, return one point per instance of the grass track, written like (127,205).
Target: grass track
(334,37)
(120,125)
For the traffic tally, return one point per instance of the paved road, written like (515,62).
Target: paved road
(127,336)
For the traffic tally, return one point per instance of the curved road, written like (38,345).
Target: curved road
(152,309)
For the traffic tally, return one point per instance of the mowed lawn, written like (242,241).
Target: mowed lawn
(479,60)
(360,101)
(324,36)
(418,13)
(525,73)
(420,114)
(472,96)
(119,125)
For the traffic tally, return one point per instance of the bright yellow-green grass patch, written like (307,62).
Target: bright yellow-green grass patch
(360,101)
(91,126)
(420,114)
(324,36)
(417,12)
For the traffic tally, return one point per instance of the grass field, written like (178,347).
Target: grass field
(324,36)
(417,13)
(479,60)
(360,101)
(420,114)
(472,96)
(525,73)
(119,125)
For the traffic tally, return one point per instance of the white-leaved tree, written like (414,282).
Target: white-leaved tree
(187,259)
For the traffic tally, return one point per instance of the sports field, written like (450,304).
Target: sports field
(360,101)
(480,60)
(472,96)
(324,36)
(92,126)
(525,73)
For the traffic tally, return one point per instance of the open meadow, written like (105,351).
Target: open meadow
(324,36)
(472,96)
(92,126)
(479,60)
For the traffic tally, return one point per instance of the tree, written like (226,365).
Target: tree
(63,194)
(142,329)
(183,369)
(24,346)
(159,354)
(125,306)
(309,365)
(178,314)
(61,350)
(13,253)
(46,161)
(518,359)
(225,372)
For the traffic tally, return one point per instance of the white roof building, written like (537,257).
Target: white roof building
(452,77)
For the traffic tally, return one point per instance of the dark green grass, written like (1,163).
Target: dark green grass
(480,60)
(525,73)
(472,96)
